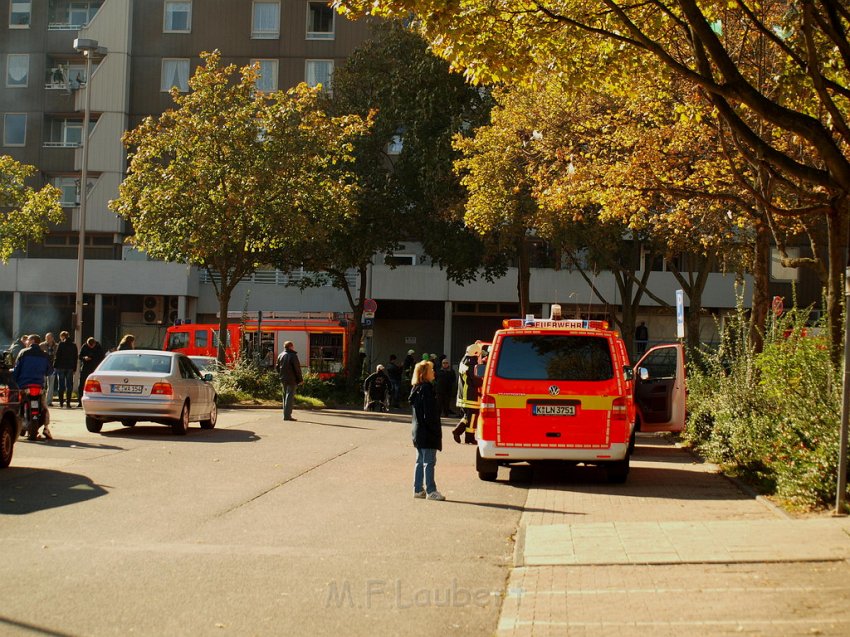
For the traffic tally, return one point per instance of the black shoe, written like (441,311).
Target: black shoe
(289,418)
(456,436)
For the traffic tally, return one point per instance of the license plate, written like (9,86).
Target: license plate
(34,404)
(554,410)
(126,389)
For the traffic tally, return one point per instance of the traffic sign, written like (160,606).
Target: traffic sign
(367,322)
(778,306)
(368,315)
(370,305)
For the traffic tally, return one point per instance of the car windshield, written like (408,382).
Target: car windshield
(555,357)
(132,362)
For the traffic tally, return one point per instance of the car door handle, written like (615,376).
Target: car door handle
(553,434)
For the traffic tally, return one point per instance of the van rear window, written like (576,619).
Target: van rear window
(555,357)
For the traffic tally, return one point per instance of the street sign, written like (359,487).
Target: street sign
(367,322)
(370,305)
(778,306)
(680,314)
(368,315)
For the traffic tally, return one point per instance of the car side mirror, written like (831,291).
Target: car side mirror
(643,373)
(628,372)
(208,377)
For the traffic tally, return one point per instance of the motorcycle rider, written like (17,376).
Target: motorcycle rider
(31,367)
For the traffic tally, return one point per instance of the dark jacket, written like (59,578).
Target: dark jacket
(427,433)
(66,356)
(95,354)
(444,381)
(377,385)
(394,372)
(288,368)
(31,367)
(469,385)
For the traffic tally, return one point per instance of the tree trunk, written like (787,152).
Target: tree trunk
(354,369)
(223,303)
(523,276)
(761,279)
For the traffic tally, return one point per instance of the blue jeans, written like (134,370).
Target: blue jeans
(288,400)
(66,384)
(424,472)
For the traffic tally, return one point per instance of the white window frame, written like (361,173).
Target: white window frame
(168,28)
(266,33)
(310,81)
(6,116)
(320,35)
(267,77)
(20,25)
(67,185)
(163,79)
(9,82)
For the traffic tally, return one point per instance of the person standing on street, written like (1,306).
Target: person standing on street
(394,372)
(90,356)
(66,365)
(128,342)
(641,338)
(49,347)
(289,370)
(427,433)
(444,385)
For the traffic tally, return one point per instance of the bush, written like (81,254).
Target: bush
(773,417)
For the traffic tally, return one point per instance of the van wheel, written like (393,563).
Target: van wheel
(632,439)
(618,471)
(488,470)
(93,424)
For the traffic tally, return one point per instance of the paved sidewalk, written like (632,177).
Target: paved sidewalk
(679,549)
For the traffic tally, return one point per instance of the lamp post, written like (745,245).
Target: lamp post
(88,48)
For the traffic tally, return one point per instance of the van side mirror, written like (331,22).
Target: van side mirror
(643,373)
(628,372)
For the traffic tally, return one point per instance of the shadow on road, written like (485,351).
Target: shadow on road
(76,444)
(195,434)
(26,490)
(30,628)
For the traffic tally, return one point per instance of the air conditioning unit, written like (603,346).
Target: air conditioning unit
(152,307)
(172,310)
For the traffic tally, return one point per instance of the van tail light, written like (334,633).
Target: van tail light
(92,387)
(618,409)
(488,406)
(162,389)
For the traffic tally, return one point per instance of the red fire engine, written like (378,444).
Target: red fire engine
(321,338)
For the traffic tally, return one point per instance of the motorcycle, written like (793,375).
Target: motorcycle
(34,412)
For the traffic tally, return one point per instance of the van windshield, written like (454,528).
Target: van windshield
(555,357)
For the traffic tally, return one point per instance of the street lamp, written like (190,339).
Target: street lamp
(88,48)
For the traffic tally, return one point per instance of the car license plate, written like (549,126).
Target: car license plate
(554,410)
(126,389)
(34,404)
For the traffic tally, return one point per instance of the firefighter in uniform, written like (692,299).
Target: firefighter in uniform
(468,394)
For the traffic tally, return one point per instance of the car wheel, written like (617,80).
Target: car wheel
(618,471)
(128,423)
(210,422)
(488,470)
(7,444)
(93,424)
(181,425)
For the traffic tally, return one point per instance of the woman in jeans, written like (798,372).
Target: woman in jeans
(427,434)
(65,366)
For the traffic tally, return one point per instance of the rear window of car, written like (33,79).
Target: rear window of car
(555,357)
(130,362)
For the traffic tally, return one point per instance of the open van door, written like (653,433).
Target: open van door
(660,389)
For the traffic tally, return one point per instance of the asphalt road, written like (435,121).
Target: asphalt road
(258,527)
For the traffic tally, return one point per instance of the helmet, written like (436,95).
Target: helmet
(473,350)
(410,351)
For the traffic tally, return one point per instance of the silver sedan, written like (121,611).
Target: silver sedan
(151,385)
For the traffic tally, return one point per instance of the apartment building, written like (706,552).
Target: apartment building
(148,47)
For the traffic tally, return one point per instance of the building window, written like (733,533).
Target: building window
(19,15)
(319,72)
(265,20)
(14,129)
(175,73)
(69,188)
(320,21)
(64,133)
(267,80)
(178,17)
(17,70)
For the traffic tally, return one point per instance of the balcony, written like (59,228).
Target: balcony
(71,16)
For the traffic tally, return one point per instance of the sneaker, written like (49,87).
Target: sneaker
(420,494)
(435,495)
(47,434)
